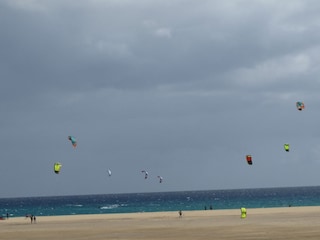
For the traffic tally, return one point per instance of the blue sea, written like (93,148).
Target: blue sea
(161,201)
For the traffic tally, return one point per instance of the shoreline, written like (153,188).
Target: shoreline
(261,223)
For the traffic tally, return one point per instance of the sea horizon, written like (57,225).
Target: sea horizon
(154,192)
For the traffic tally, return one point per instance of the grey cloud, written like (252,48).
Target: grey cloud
(176,87)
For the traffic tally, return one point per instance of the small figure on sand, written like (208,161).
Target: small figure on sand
(32,218)
(243,212)
(180,213)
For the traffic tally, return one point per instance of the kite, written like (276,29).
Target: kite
(160,179)
(286,147)
(300,106)
(73,141)
(249,159)
(145,174)
(109,172)
(57,166)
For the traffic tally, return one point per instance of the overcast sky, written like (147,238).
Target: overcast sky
(181,88)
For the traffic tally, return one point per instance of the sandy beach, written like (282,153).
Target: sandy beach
(267,223)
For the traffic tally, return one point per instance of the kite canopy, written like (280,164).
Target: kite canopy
(145,174)
(249,159)
(300,106)
(57,167)
(73,141)
(109,172)
(286,147)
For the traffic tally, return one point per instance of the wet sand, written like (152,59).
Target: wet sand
(266,223)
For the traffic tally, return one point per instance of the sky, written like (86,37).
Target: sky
(182,89)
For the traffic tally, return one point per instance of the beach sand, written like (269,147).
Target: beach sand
(263,223)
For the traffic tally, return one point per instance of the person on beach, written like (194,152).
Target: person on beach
(243,212)
(34,219)
(180,213)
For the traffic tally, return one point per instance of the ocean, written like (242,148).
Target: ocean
(161,201)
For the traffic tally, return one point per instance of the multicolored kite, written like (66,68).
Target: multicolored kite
(73,141)
(300,106)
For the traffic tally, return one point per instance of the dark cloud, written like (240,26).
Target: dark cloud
(180,88)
